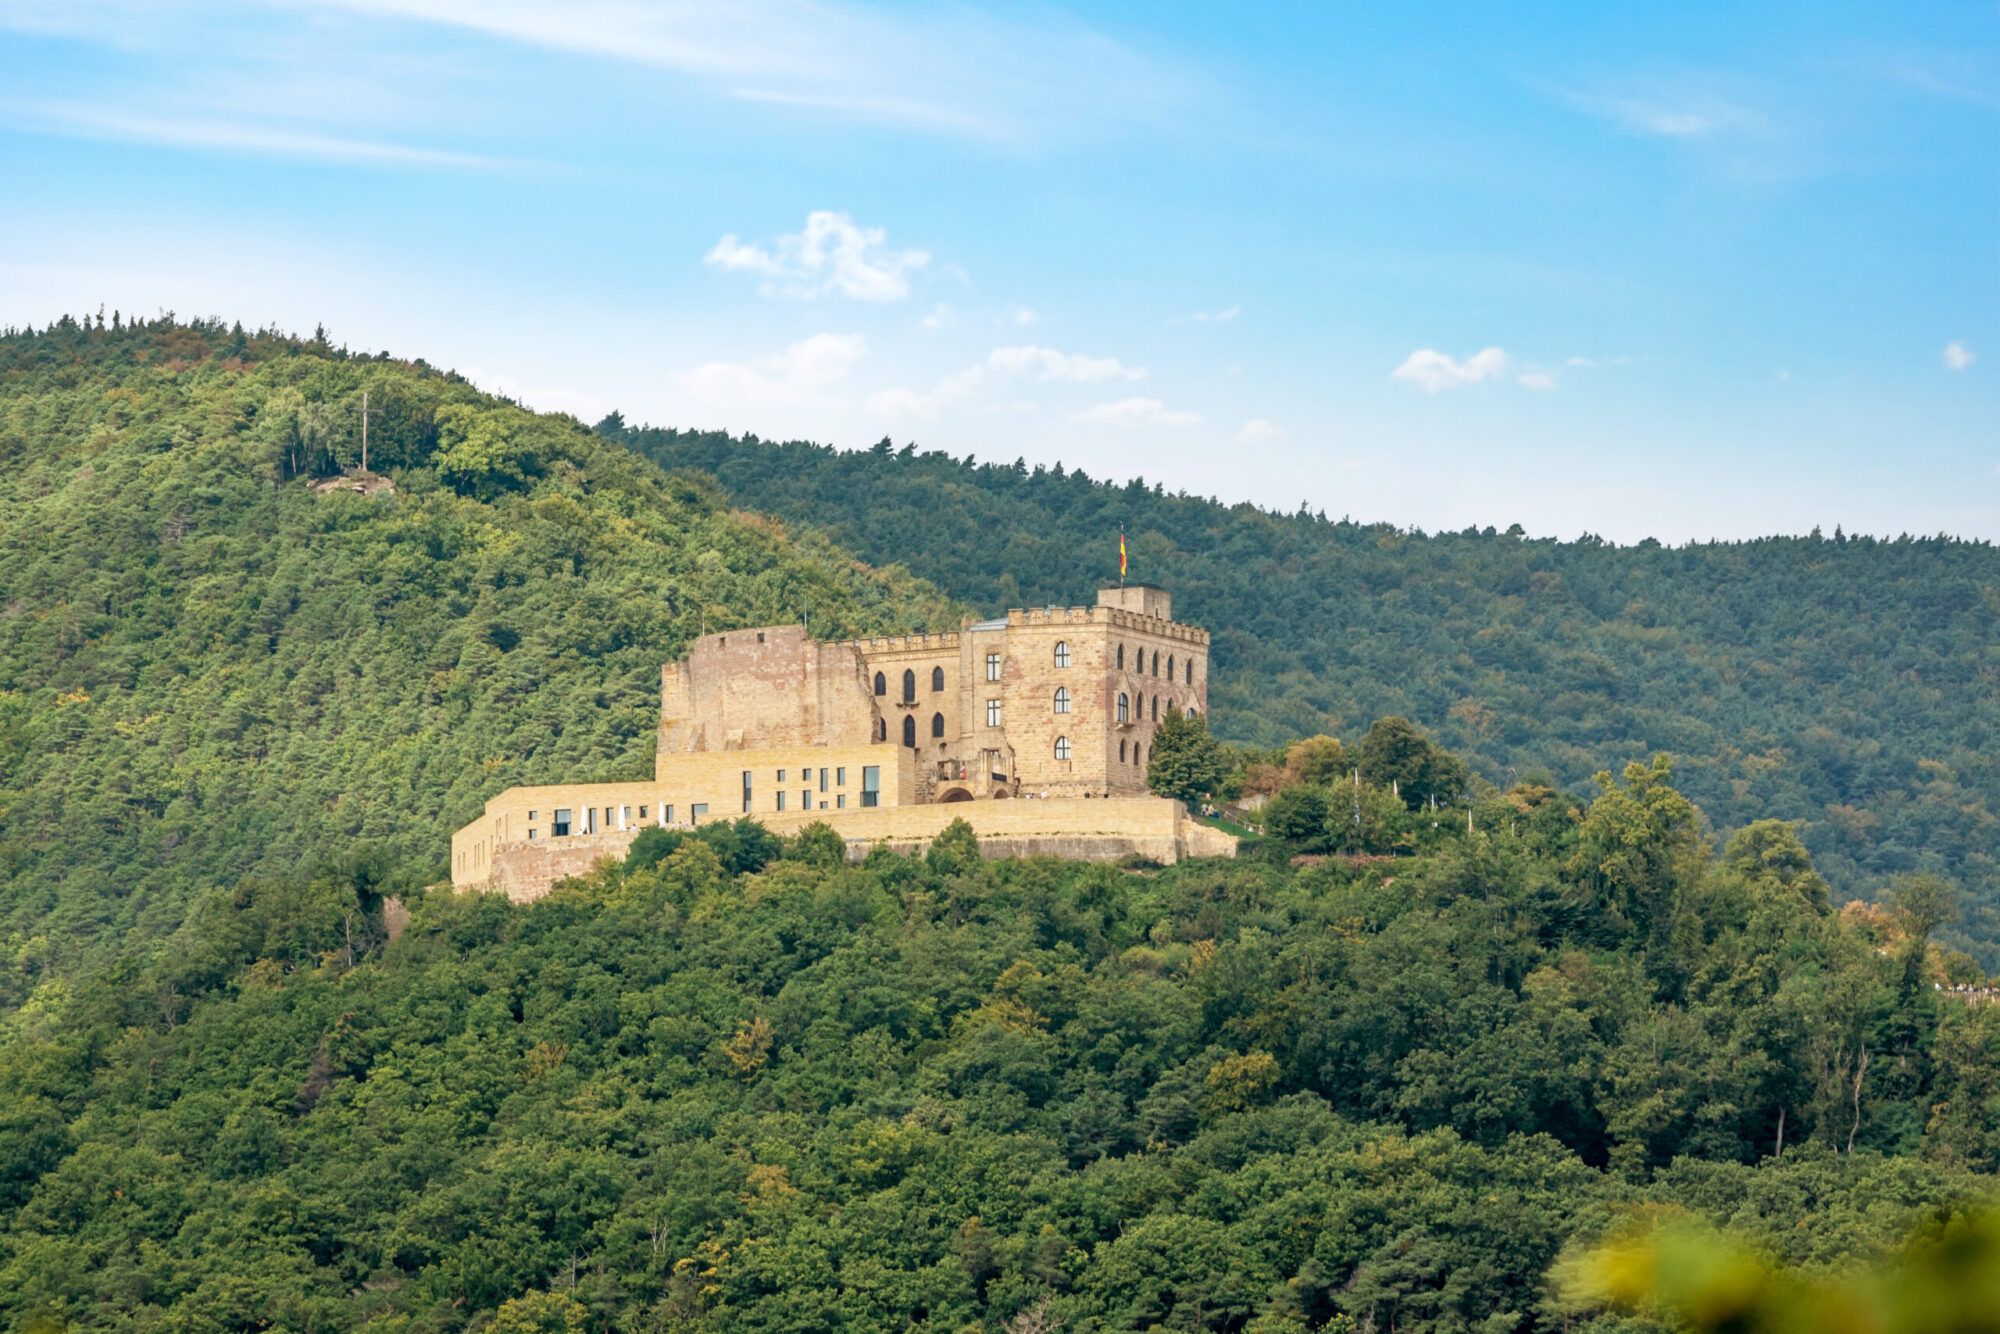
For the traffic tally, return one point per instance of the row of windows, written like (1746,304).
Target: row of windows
(1125,708)
(871,787)
(567,820)
(1133,749)
(910,684)
(1186,669)
(1062,660)
(909,729)
(993,715)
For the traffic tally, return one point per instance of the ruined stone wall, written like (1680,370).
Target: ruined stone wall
(761,688)
(525,872)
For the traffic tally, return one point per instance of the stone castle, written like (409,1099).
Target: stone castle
(1034,727)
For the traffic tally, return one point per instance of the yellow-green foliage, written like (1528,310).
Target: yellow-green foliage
(209,669)
(1688,1274)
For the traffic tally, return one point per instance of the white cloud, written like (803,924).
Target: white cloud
(1135,412)
(805,370)
(1046,363)
(1540,381)
(830,254)
(1957,356)
(1260,431)
(1023,316)
(1223,316)
(1433,372)
(941,317)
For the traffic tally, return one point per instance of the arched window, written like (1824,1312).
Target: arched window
(881,729)
(1062,653)
(1124,707)
(909,686)
(1062,699)
(1156,708)
(1170,666)
(937,724)
(937,678)
(1121,657)
(1156,662)
(881,684)
(910,730)
(1121,752)
(1062,747)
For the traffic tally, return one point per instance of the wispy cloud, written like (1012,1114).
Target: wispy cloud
(1135,412)
(946,69)
(1434,372)
(1260,431)
(1957,356)
(1223,316)
(829,255)
(1681,108)
(235,137)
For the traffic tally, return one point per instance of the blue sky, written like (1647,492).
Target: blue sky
(1674,271)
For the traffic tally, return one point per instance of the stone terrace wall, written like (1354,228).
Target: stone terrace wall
(1081,829)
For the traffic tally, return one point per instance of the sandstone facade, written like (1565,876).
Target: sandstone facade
(1044,707)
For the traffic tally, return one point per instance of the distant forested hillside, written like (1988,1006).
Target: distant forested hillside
(211,668)
(1851,684)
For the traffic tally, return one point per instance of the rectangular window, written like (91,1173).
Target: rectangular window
(781,799)
(822,780)
(624,817)
(993,666)
(531,836)
(781,775)
(590,819)
(871,785)
(561,829)
(532,815)
(642,815)
(696,811)
(992,713)
(805,775)
(746,791)
(666,815)
(840,801)
(840,777)
(805,801)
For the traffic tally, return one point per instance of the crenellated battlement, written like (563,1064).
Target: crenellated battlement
(1111,616)
(944,641)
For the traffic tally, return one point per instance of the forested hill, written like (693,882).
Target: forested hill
(1848,683)
(210,667)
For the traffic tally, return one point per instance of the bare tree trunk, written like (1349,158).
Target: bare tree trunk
(1860,1071)
(1781,1134)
